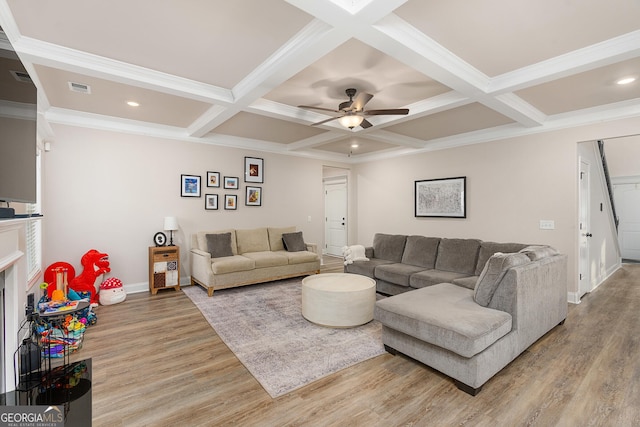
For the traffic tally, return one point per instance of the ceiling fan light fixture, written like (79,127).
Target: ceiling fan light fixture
(350,121)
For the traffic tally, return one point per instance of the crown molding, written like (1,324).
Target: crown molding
(17,110)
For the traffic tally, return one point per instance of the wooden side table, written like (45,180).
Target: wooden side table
(164,268)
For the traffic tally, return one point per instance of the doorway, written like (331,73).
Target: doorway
(626,193)
(584,273)
(335,208)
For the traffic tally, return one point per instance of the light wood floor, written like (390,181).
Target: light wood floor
(157,362)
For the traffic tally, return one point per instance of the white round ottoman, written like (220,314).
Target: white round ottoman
(338,300)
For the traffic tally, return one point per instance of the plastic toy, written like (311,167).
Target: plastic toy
(95,264)
(50,275)
(57,295)
(112,292)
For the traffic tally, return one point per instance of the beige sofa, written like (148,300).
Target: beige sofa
(256,255)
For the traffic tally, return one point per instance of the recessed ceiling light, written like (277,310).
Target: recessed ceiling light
(354,145)
(132,104)
(626,80)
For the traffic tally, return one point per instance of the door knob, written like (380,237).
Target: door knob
(588,234)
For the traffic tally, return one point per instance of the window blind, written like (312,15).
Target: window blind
(34,230)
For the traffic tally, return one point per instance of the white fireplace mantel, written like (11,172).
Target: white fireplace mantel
(13,238)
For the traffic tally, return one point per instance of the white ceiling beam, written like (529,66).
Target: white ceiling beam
(396,139)
(65,116)
(515,108)
(51,55)
(306,47)
(626,46)
(317,140)
(202,125)
(348,14)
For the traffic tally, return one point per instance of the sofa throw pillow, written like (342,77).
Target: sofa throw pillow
(219,245)
(294,242)
(493,272)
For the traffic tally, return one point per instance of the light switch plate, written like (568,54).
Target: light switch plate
(547,224)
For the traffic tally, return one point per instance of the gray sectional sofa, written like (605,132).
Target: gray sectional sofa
(464,307)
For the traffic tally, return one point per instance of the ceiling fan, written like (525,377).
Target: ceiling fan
(353,112)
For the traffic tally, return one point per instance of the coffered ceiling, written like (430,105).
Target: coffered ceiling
(234,72)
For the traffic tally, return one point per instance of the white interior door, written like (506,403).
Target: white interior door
(584,277)
(335,208)
(627,200)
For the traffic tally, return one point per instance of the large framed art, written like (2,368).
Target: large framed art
(441,198)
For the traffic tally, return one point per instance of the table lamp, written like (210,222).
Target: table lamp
(170,224)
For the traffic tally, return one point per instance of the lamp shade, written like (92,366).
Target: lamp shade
(350,121)
(170,223)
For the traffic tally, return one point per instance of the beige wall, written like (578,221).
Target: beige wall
(111,192)
(511,185)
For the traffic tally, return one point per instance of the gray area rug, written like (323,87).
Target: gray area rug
(264,327)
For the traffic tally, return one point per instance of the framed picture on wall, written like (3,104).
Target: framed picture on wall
(253,196)
(211,202)
(190,185)
(230,202)
(231,182)
(253,169)
(444,198)
(213,179)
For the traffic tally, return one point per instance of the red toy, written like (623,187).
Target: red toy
(50,275)
(95,264)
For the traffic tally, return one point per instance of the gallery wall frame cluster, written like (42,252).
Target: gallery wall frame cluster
(191,186)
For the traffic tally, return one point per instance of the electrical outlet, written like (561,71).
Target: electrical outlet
(547,224)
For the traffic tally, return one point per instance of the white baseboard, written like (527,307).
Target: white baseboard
(136,288)
(573,297)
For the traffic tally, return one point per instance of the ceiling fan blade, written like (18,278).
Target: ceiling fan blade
(365,124)
(325,121)
(309,107)
(391,111)
(360,101)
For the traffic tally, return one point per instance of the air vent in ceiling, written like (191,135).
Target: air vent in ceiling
(21,76)
(79,87)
